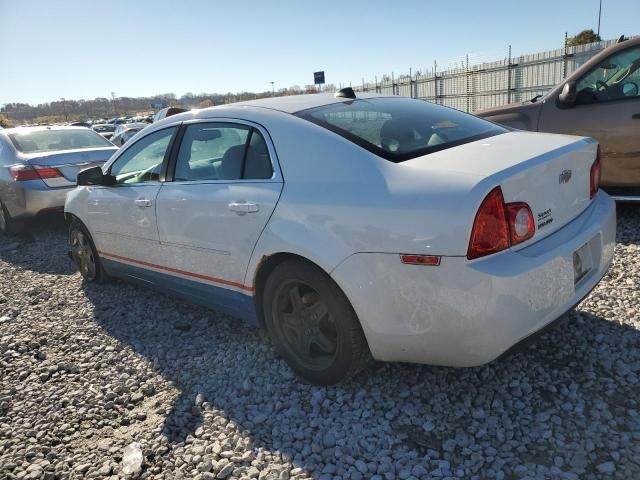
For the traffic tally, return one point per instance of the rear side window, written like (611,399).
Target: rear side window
(400,128)
(37,141)
(222,151)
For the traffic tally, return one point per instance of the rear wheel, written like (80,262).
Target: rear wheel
(8,226)
(84,253)
(312,324)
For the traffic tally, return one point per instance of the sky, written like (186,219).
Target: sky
(54,49)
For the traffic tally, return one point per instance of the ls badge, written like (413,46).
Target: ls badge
(565,176)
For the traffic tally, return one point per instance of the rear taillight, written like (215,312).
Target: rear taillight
(594,177)
(21,173)
(490,232)
(521,225)
(499,225)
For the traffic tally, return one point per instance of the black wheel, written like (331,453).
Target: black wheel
(84,253)
(8,226)
(312,324)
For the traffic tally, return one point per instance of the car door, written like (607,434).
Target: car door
(122,217)
(225,186)
(607,107)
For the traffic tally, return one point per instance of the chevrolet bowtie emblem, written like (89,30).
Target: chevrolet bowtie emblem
(565,176)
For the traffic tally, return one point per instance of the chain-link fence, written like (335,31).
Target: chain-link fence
(472,87)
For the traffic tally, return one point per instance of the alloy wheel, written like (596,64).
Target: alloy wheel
(83,255)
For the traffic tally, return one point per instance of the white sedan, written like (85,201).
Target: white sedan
(353,228)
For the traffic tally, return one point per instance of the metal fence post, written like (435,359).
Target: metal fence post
(435,81)
(564,57)
(509,77)
(468,81)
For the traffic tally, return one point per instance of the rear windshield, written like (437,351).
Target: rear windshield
(103,128)
(400,128)
(52,140)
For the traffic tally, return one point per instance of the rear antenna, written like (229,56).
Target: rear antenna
(346,92)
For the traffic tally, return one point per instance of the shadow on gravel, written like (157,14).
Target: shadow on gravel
(544,392)
(39,246)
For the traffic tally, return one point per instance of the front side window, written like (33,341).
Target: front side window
(36,141)
(616,78)
(400,128)
(142,161)
(221,151)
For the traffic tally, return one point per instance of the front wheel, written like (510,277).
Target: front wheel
(84,253)
(312,324)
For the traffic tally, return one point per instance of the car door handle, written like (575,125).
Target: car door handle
(242,207)
(636,116)
(142,202)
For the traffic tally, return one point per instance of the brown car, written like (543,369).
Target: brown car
(602,100)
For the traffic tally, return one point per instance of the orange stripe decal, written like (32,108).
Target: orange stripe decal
(221,281)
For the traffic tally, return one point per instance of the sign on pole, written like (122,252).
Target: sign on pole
(318,78)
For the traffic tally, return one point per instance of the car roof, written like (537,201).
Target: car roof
(296,103)
(288,105)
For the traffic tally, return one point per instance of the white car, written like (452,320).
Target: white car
(353,228)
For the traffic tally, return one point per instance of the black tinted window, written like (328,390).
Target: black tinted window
(257,164)
(400,128)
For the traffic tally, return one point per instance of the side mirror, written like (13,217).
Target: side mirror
(568,95)
(93,176)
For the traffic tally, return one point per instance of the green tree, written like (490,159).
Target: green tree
(205,104)
(5,122)
(585,36)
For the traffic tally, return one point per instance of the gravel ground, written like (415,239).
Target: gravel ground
(85,371)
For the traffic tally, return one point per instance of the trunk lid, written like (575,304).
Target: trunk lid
(551,173)
(70,163)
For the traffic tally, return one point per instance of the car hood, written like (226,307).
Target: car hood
(523,116)
(512,107)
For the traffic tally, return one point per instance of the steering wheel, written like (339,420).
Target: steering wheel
(601,86)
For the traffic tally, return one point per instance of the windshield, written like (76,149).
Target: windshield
(400,128)
(52,140)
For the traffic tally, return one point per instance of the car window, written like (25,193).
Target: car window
(257,164)
(616,78)
(36,141)
(142,161)
(398,129)
(221,151)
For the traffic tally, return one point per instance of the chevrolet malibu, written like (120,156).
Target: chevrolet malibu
(353,228)
(39,165)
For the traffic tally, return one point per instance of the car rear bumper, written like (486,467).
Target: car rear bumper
(27,199)
(466,313)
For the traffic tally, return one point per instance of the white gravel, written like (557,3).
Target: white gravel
(85,371)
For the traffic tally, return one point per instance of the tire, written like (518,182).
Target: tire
(312,324)
(9,226)
(84,253)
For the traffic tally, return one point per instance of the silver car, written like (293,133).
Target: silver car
(39,165)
